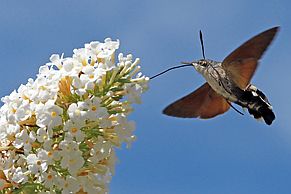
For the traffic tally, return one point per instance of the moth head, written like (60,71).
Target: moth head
(200,65)
(202,62)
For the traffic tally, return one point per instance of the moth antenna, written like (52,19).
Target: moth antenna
(202,44)
(186,64)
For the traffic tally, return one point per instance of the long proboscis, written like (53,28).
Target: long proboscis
(185,64)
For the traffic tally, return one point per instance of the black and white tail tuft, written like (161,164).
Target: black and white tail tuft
(259,106)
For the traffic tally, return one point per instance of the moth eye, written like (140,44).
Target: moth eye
(203,63)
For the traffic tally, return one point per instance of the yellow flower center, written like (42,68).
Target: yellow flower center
(78,112)
(92,63)
(94,108)
(13,110)
(42,87)
(84,62)
(49,177)
(25,97)
(74,129)
(91,76)
(53,114)
(38,162)
(50,154)
(72,161)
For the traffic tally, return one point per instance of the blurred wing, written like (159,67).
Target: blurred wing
(203,102)
(241,64)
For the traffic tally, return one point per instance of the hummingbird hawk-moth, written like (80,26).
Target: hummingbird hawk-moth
(228,82)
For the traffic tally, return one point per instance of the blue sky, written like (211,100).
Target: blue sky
(225,155)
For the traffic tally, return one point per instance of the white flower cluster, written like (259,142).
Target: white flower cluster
(58,132)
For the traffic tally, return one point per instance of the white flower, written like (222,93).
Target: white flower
(133,92)
(79,85)
(7,160)
(58,133)
(45,87)
(37,163)
(81,55)
(52,152)
(100,150)
(8,130)
(19,176)
(67,146)
(91,185)
(71,156)
(87,82)
(25,140)
(23,111)
(95,110)
(77,112)
(107,48)
(20,160)
(74,130)
(3,132)
(48,115)
(13,102)
(124,129)
(49,178)
(43,135)
(71,67)
(70,185)
(89,78)
(73,162)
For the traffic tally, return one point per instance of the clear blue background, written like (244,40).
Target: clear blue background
(225,155)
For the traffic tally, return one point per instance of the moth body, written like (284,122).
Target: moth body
(216,77)
(226,82)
